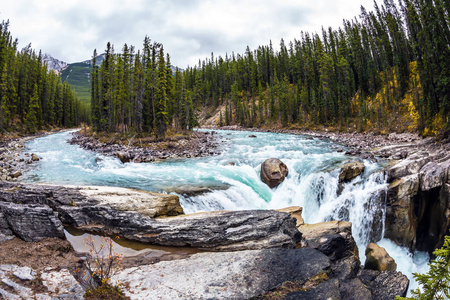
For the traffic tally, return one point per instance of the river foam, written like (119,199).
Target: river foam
(231,181)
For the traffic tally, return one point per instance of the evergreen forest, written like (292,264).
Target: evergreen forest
(31,97)
(387,70)
(139,92)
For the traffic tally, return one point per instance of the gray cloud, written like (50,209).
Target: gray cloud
(189,30)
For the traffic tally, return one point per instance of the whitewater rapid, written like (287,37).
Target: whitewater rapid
(233,181)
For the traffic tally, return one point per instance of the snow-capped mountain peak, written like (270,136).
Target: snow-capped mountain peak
(53,63)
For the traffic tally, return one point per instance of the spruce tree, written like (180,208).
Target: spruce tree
(161,113)
(435,284)
(31,119)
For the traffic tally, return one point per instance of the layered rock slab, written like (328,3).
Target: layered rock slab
(123,199)
(130,213)
(30,222)
(333,239)
(378,259)
(227,275)
(219,231)
(418,202)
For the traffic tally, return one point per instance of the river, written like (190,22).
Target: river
(233,181)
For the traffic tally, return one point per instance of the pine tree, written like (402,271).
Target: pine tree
(161,113)
(435,284)
(31,119)
(138,94)
(95,93)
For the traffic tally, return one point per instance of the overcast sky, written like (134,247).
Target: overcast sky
(189,29)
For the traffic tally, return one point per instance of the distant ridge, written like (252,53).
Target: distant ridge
(54,64)
(100,59)
(77,74)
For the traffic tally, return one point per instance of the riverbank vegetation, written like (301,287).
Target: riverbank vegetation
(384,71)
(138,92)
(32,97)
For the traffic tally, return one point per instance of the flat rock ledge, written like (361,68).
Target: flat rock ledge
(35,212)
(217,231)
(15,284)
(229,275)
(252,274)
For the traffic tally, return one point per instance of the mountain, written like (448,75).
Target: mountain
(77,74)
(53,63)
(100,59)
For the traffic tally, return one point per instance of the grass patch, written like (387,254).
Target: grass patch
(105,291)
(293,286)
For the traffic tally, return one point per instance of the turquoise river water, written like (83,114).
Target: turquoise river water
(312,182)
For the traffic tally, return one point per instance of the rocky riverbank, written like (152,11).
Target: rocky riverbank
(365,145)
(196,144)
(13,161)
(257,249)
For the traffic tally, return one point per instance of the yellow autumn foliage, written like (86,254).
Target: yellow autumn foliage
(414,117)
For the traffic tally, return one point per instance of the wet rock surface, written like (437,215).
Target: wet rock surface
(129,213)
(334,239)
(199,144)
(234,275)
(378,259)
(417,212)
(273,172)
(218,231)
(350,171)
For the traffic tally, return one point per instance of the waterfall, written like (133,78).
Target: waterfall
(212,183)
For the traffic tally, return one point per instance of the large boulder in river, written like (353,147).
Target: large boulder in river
(378,259)
(350,171)
(273,172)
